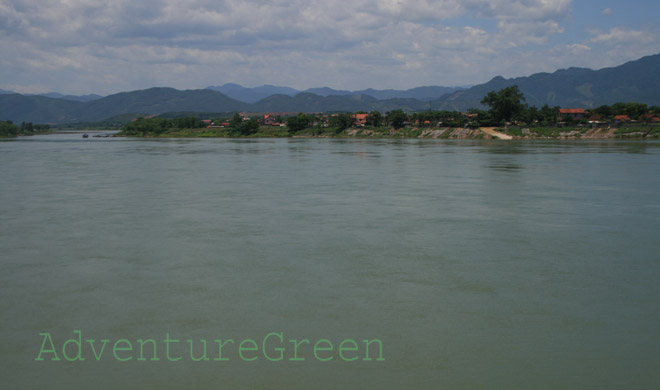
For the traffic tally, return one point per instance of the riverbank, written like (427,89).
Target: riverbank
(506,133)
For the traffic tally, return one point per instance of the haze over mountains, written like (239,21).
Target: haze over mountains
(635,81)
(253,95)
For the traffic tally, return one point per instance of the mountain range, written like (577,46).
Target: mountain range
(56,95)
(635,81)
(253,95)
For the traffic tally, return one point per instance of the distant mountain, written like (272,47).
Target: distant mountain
(252,95)
(36,109)
(309,102)
(83,98)
(43,109)
(420,93)
(155,101)
(325,91)
(635,81)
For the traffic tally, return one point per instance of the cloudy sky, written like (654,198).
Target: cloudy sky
(108,46)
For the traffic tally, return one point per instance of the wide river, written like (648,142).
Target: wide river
(463,264)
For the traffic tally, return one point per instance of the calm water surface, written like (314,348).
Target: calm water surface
(479,265)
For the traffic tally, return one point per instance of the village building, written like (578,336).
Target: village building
(573,113)
(271,120)
(360,119)
(621,119)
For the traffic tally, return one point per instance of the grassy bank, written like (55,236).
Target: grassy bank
(634,132)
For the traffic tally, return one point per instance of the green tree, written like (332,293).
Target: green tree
(27,127)
(505,104)
(188,122)
(604,111)
(396,118)
(633,110)
(144,126)
(341,122)
(298,123)
(249,127)
(8,129)
(235,122)
(375,118)
(548,115)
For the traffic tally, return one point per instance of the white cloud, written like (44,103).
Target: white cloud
(607,11)
(618,35)
(578,49)
(99,46)
(521,10)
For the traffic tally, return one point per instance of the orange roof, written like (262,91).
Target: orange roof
(360,116)
(572,110)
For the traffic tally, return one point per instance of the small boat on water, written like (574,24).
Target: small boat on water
(85,135)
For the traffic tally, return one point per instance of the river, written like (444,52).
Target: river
(464,264)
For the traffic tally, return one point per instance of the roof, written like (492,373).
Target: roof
(572,110)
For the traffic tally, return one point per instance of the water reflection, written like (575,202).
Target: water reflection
(504,165)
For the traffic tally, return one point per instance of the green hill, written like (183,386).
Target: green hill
(309,102)
(36,109)
(636,81)
(40,109)
(155,101)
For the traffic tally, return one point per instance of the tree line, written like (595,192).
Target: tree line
(155,126)
(9,129)
(508,105)
(504,106)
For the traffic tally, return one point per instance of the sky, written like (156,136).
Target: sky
(104,47)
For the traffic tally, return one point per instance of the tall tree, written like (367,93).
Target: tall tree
(341,122)
(396,118)
(375,118)
(298,122)
(505,104)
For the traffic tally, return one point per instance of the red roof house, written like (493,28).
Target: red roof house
(360,119)
(574,113)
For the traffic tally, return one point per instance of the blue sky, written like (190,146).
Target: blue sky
(89,46)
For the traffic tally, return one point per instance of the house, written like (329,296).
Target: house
(573,113)
(621,119)
(271,120)
(650,117)
(360,119)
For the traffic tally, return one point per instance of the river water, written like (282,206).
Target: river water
(464,264)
